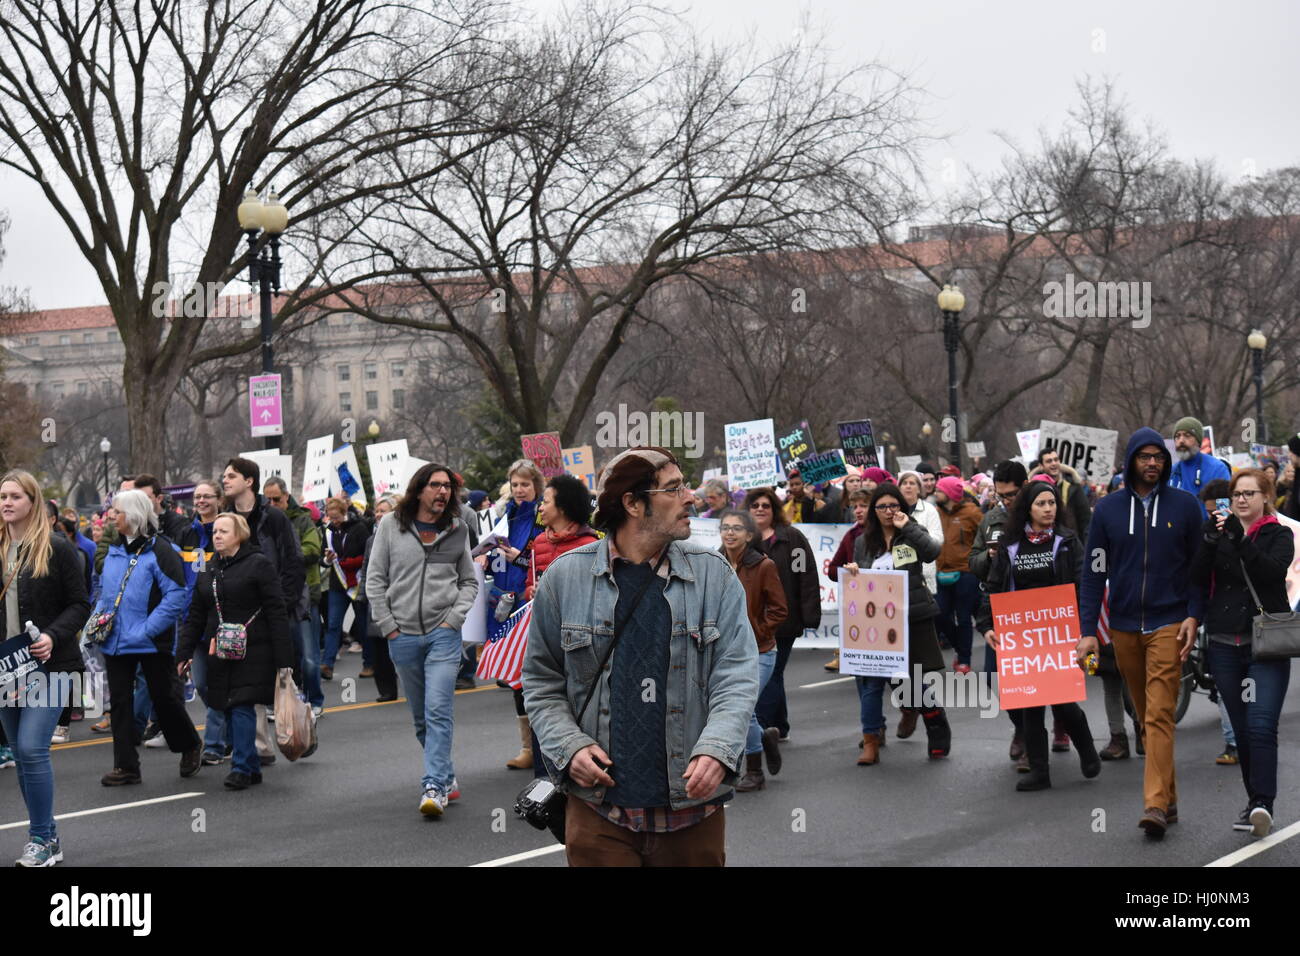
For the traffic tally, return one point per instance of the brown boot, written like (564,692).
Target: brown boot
(524,761)
(907,723)
(1117,749)
(753,778)
(833,665)
(870,750)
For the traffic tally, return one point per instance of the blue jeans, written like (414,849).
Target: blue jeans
(956,609)
(215,736)
(242,721)
(1254,723)
(754,739)
(307,641)
(770,709)
(29,730)
(1225,724)
(871,703)
(337,603)
(427,665)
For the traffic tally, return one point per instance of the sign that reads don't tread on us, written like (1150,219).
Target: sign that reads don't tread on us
(264,405)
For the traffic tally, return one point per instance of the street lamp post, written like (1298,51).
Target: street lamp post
(105,446)
(951,302)
(1257,343)
(270,219)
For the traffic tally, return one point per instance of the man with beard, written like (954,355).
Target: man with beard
(1194,469)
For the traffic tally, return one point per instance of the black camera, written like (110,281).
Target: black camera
(542,804)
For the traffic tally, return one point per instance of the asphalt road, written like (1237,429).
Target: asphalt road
(354,802)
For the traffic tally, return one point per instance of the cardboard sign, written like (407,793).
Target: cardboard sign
(873,623)
(1028,442)
(1207,440)
(826,466)
(1089,451)
(1293,572)
(711,473)
(345,475)
(752,460)
(544,450)
(858,442)
(908,463)
(975,449)
(795,445)
(387,461)
(16,660)
(581,463)
(316,469)
(271,464)
(1277,452)
(1037,631)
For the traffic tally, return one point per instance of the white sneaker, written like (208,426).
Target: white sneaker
(317,711)
(354,647)
(270,716)
(156,741)
(1261,821)
(60,735)
(433,802)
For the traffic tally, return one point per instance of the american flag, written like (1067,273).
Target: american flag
(1103,620)
(503,658)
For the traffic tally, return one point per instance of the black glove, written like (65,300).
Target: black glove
(1210,530)
(1232,529)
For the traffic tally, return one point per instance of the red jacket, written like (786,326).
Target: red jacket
(548,546)
(844,553)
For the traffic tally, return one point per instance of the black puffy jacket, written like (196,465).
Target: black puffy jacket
(1216,569)
(56,603)
(803,593)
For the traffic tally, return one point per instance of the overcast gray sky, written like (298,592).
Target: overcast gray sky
(1220,80)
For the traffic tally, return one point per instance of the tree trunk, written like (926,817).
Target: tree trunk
(1085,413)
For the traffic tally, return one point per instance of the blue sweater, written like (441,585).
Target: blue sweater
(1147,552)
(1195,473)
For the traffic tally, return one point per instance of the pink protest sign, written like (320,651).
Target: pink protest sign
(264,405)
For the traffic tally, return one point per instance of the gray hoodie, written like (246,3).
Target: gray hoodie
(413,588)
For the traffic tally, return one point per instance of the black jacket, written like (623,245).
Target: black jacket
(275,535)
(1067,568)
(1216,569)
(803,593)
(920,602)
(245,583)
(57,603)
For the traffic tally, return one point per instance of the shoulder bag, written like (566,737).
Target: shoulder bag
(1273,637)
(99,625)
(231,641)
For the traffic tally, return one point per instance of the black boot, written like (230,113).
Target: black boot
(1076,725)
(1038,777)
(937,732)
(753,778)
(1037,755)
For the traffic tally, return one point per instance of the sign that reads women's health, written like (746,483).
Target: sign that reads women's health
(752,459)
(873,623)
(1037,631)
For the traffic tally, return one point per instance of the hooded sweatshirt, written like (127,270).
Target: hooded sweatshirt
(1148,551)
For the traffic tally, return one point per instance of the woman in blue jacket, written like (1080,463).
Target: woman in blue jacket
(144,579)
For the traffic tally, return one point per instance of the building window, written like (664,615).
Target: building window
(426,368)
(372,401)
(397,369)
(83,388)
(345,401)
(88,337)
(65,339)
(32,340)
(372,371)
(57,389)
(345,373)
(114,335)
(399,398)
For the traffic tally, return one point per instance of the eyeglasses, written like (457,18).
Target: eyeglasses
(1245,494)
(674,489)
(1007,498)
(761,506)
(1148,459)
(439,485)
(208,498)
(887,508)
(732,529)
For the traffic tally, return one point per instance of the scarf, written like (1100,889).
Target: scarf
(1037,537)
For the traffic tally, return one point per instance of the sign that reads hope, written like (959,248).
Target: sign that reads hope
(1089,451)
(1037,631)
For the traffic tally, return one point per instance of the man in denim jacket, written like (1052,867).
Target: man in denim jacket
(661,743)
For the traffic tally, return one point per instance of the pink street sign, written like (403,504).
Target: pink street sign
(264,405)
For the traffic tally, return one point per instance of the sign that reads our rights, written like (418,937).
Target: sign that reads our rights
(752,460)
(795,445)
(859,443)
(1089,451)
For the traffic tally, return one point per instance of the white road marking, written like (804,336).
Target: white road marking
(507,860)
(1259,846)
(825,683)
(116,806)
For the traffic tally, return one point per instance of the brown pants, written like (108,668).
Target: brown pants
(591,840)
(1151,669)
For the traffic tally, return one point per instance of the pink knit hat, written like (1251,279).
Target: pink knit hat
(952,487)
(878,475)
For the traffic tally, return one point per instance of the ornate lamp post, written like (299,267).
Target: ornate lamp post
(951,302)
(1257,343)
(270,219)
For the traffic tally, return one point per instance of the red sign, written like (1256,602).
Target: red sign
(545,452)
(264,405)
(1037,631)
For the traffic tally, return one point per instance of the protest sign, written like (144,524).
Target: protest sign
(474,630)
(975,449)
(409,468)
(1275,452)
(795,445)
(824,466)
(388,466)
(1089,451)
(1037,631)
(1241,460)
(16,660)
(271,464)
(908,463)
(545,452)
(1207,440)
(858,442)
(316,469)
(752,460)
(1293,572)
(711,473)
(345,475)
(1028,442)
(873,623)
(581,463)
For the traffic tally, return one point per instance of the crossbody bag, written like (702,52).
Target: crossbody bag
(1273,637)
(231,640)
(100,625)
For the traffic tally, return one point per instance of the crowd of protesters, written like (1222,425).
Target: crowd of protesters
(253,584)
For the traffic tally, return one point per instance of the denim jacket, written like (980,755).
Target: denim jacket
(713,662)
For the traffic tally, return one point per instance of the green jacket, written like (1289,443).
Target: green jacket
(107,539)
(309,539)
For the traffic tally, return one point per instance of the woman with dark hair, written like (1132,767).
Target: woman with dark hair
(420,584)
(1242,564)
(344,550)
(797,568)
(892,541)
(765,604)
(1039,550)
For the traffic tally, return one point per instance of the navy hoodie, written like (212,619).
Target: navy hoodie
(1148,554)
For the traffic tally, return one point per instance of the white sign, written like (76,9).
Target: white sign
(1242,460)
(387,465)
(908,463)
(474,630)
(1028,444)
(271,464)
(975,449)
(345,475)
(873,623)
(409,469)
(1089,451)
(711,473)
(752,460)
(316,469)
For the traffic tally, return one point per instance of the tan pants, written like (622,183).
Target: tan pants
(591,840)
(265,745)
(1151,669)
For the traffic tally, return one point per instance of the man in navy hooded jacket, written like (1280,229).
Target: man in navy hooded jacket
(1141,541)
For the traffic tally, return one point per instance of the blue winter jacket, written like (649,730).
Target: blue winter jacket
(1146,553)
(155,601)
(1195,473)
